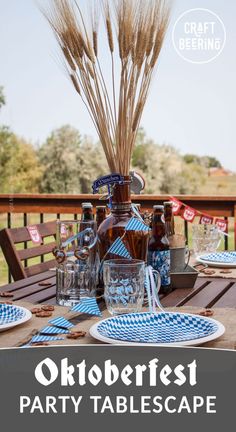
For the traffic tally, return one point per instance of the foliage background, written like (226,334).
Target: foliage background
(68,163)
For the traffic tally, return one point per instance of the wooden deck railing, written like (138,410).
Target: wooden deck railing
(56,205)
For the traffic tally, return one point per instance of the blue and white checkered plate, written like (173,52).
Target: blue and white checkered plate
(12,315)
(163,328)
(219,259)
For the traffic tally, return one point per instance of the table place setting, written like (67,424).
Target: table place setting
(130,288)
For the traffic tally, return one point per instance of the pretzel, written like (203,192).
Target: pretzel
(206,313)
(36,310)
(208,272)
(48,308)
(82,254)
(40,343)
(76,335)
(6,294)
(43,314)
(59,254)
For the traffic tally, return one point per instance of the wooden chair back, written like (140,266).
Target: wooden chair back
(16,257)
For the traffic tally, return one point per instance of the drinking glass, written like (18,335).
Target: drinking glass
(124,285)
(78,263)
(74,281)
(206,238)
(74,235)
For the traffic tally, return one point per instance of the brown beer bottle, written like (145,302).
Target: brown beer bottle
(113,226)
(169,218)
(100,214)
(158,249)
(87,212)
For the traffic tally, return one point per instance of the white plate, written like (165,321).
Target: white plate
(215,264)
(25,316)
(97,330)
(218,259)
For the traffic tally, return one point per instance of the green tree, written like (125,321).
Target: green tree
(70,164)
(19,167)
(205,161)
(165,170)
(212,162)
(191,158)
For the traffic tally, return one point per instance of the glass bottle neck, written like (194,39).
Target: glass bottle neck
(121,199)
(87,215)
(158,227)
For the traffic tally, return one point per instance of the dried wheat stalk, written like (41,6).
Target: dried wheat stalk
(136,28)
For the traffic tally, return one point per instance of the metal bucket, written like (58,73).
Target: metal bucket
(179,259)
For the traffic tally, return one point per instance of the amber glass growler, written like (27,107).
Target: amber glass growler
(114,225)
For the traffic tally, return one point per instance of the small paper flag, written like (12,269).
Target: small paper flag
(53,330)
(189,214)
(206,220)
(176,206)
(118,248)
(87,305)
(39,338)
(135,224)
(222,224)
(61,322)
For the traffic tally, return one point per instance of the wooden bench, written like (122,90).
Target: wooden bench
(17,259)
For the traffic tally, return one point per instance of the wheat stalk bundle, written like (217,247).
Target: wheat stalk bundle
(135,29)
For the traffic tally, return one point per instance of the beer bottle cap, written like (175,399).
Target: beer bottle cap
(101,207)
(168,203)
(158,207)
(87,205)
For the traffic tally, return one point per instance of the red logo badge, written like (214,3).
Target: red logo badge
(189,214)
(34,234)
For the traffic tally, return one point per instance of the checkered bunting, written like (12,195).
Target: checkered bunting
(61,322)
(221,257)
(41,338)
(147,288)
(164,327)
(136,212)
(87,305)
(10,314)
(135,224)
(53,330)
(118,248)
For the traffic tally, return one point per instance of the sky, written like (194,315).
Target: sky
(190,106)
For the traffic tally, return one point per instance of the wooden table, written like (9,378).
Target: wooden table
(216,293)
(207,292)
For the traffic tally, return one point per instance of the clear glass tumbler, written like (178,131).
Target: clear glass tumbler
(74,281)
(206,239)
(73,235)
(124,285)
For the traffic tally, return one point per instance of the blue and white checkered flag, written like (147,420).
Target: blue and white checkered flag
(118,248)
(41,338)
(87,305)
(135,224)
(61,322)
(53,330)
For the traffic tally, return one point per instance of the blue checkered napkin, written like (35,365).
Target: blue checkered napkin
(87,305)
(61,322)
(221,257)
(135,224)
(118,248)
(156,328)
(53,330)
(39,338)
(10,314)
